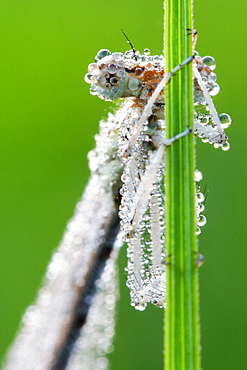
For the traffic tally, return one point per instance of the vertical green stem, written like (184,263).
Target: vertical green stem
(181,315)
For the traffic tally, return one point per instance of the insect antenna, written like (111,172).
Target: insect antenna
(130,43)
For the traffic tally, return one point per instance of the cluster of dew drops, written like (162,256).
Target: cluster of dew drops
(107,75)
(200,199)
(205,118)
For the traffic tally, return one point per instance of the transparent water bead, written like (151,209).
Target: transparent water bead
(198,176)
(209,61)
(214,89)
(199,197)
(201,220)
(198,231)
(226,146)
(225,120)
(102,54)
(146,52)
(200,207)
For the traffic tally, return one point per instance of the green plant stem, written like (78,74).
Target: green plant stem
(181,315)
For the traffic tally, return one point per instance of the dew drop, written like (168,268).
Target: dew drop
(215,90)
(202,220)
(146,52)
(212,77)
(113,80)
(199,197)
(102,53)
(112,68)
(204,120)
(140,307)
(225,146)
(114,89)
(87,78)
(225,120)
(120,73)
(101,80)
(198,175)
(93,68)
(117,55)
(200,207)
(93,89)
(209,61)
(198,231)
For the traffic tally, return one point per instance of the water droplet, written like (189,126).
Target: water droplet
(198,175)
(225,146)
(112,68)
(225,120)
(204,120)
(199,197)
(201,220)
(212,77)
(101,80)
(113,80)
(117,55)
(93,89)
(102,53)
(209,61)
(146,52)
(215,90)
(87,78)
(120,73)
(157,58)
(114,89)
(93,68)
(200,207)
(198,231)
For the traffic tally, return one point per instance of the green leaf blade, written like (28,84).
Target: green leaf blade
(182,319)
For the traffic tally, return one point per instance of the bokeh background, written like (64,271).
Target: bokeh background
(48,120)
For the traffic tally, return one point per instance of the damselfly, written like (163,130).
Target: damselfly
(140,126)
(72,323)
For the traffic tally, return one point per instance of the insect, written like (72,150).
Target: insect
(140,127)
(73,318)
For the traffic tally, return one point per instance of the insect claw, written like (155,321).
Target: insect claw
(165,262)
(199,259)
(192,31)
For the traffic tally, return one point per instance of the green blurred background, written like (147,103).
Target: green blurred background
(48,120)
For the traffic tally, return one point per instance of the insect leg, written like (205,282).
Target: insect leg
(148,108)
(142,195)
(210,104)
